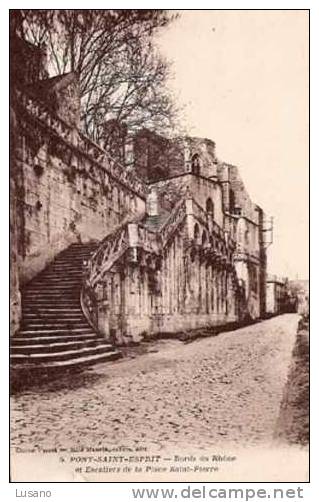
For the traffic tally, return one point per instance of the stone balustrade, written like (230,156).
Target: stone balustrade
(128,237)
(251,256)
(134,246)
(173,221)
(110,249)
(80,142)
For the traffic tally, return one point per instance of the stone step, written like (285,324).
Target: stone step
(54,295)
(55,300)
(57,356)
(73,256)
(35,340)
(28,316)
(41,348)
(88,247)
(53,288)
(77,250)
(61,271)
(51,307)
(77,362)
(68,267)
(57,331)
(55,303)
(72,275)
(72,265)
(53,324)
(63,280)
(58,277)
(33,307)
(49,288)
(31,315)
(93,243)
(71,261)
(64,277)
(72,270)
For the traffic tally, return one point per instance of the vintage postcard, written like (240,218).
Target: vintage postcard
(159,245)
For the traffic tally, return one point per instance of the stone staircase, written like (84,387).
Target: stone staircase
(54,332)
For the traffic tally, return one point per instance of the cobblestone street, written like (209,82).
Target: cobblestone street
(213,391)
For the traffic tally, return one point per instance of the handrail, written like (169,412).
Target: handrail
(111,249)
(112,246)
(173,220)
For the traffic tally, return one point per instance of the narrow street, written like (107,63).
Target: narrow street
(214,391)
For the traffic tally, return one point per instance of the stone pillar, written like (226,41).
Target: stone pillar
(170,282)
(204,283)
(225,293)
(152,203)
(218,289)
(208,288)
(199,284)
(190,221)
(133,239)
(212,292)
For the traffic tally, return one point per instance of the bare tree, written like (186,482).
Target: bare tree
(121,74)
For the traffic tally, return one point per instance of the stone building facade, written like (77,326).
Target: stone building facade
(279,298)
(178,242)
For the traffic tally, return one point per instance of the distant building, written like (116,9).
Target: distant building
(299,290)
(280,298)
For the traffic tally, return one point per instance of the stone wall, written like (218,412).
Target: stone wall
(246,220)
(15,296)
(65,195)
(262,262)
(247,261)
(151,155)
(157,157)
(171,190)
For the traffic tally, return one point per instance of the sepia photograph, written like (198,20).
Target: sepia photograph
(159,245)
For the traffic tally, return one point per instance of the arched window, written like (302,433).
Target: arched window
(210,207)
(204,238)
(195,164)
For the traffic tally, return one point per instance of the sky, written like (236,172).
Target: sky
(242,77)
